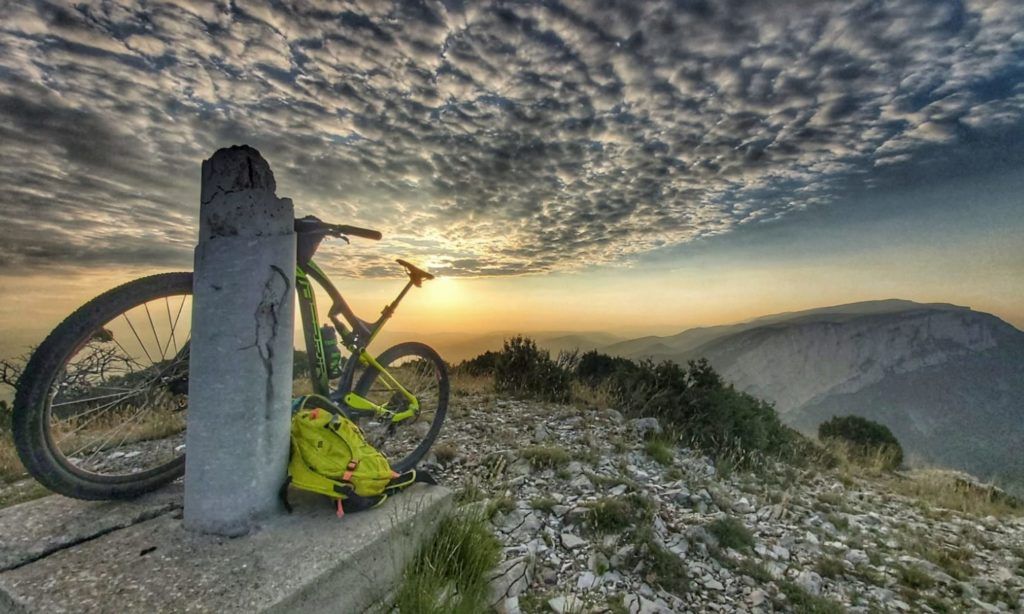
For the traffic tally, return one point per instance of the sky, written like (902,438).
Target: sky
(563,165)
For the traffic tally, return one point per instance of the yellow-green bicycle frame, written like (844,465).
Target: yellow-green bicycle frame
(355,337)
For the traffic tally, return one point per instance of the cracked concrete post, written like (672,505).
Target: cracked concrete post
(240,369)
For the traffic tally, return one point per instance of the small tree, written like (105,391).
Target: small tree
(865,439)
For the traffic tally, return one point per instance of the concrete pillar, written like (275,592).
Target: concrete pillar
(240,367)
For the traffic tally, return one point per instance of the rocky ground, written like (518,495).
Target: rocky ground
(595,518)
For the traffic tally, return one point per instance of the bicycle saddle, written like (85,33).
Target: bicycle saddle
(416,274)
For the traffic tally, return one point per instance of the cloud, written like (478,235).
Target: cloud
(484,139)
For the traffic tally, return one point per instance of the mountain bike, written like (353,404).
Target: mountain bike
(100,411)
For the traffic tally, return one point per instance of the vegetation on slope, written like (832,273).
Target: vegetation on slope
(693,402)
(865,439)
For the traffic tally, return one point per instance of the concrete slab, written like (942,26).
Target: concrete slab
(309,561)
(38,528)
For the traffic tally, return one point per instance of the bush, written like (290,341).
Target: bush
(522,369)
(714,416)
(865,439)
(484,364)
(593,367)
(739,430)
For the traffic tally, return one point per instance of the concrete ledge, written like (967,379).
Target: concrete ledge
(309,561)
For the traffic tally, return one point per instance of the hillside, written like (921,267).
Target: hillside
(593,519)
(949,381)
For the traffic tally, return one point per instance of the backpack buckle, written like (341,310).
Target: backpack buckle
(347,476)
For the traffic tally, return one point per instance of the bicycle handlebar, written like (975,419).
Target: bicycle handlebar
(356,231)
(311,224)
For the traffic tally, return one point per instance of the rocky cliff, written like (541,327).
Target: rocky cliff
(949,381)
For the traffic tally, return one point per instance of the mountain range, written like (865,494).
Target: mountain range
(946,379)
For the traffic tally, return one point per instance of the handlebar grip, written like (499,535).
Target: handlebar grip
(355,231)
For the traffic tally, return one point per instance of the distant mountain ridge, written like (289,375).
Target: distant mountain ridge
(948,380)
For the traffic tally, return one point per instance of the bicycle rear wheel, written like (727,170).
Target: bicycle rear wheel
(101,408)
(419,369)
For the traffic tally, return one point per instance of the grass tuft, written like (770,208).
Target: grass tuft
(660,450)
(806,603)
(543,504)
(449,572)
(545,457)
(731,533)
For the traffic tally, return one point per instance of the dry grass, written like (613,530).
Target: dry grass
(596,397)
(857,463)
(464,384)
(10,464)
(945,489)
(115,429)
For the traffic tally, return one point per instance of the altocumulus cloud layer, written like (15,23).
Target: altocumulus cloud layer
(490,138)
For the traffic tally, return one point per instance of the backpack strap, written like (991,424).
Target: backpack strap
(408,479)
(282,494)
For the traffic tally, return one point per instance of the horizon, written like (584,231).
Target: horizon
(630,170)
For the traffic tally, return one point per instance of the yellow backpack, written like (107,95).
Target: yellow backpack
(330,456)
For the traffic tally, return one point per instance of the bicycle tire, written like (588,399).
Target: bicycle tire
(31,405)
(394,355)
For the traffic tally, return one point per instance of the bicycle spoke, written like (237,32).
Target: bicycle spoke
(99,398)
(174,326)
(113,433)
(96,415)
(142,345)
(153,328)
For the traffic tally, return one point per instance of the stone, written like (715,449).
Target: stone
(240,361)
(742,506)
(646,427)
(612,414)
(564,604)
(714,585)
(635,604)
(857,557)
(509,606)
(586,581)
(809,581)
(541,433)
(509,579)
(572,541)
(756,598)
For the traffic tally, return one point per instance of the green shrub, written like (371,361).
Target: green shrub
(739,430)
(522,369)
(449,572)
(694,402)
(484,364)
(731,533)
(659,450)
(612,514)
(864,438)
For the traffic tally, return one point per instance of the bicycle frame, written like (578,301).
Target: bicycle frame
(355,340)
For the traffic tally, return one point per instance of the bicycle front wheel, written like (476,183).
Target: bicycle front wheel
(100,408)
(419,369)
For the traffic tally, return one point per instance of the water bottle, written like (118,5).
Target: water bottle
(332,353)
